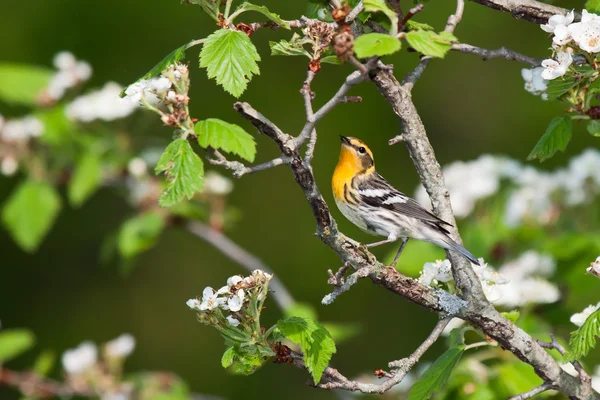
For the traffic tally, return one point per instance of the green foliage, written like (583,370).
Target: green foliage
(264,11)
(22,83)
(593,127)
(381,6)
(512,316)
(44,363)
(13,342)
(58,129)
(557,137)
(30,212)
(211,7)
(517,377)
(224,136)
(86,178)
(376,44)
(331,60)
(437,375)
(558,87)
(228,356)
(230,57)
(139,233)
(301,310)
(430,43)
(315,341)
(288,48)
(173,57)
(584,339)
(184,170)
(414,25)
(319,9)
(593,6)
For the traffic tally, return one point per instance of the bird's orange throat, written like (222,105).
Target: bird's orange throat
(348,166)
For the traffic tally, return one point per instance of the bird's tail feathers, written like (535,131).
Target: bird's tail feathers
(452,245)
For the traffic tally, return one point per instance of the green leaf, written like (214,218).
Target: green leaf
(558,87)
(331,60)
(430,43)
(437,375)
(264,11)
(414,25)
(58,129)
(13,342)
(593,127)
(584,339)
(315,341)
(319,9)
(517,377)
(173,57)
(230,57)
(288,48)
(376,44)
(211,7)
(301,310)
(184,170)
(381,6)
(593,6)
(557,137)
(23,83)
(30,212)
(228,356)
(512,316)
(245,364)
(224,136)
(139,233)
(86,178)
(44,363)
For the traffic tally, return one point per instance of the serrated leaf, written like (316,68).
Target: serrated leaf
(512,316)
(86,178)
(13,342)
(23,83)
(184,170)
(583,340)
(230,57)
(381,6)
(44,363)
(376,44)
(593,127)
(287,48)
(139,233)
(558,87)
(557,137)
(430,43)
(222,135)
(264,11)
(30,212)
(228,356)
(437,375)
(593,6)
(331,60)
(173,57)
(315,341)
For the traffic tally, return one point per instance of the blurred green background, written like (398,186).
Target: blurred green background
(65,295)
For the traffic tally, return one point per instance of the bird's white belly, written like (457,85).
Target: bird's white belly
(354,215)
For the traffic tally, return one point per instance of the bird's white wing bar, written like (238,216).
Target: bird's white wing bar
(374,192)
(395,200)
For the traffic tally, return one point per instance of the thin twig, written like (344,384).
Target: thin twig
(240,169)
(307,95)
(535,391)
(411,13)
(247,260)
(355,11)
(502,52)
(530,10)
(554,344)
(342,285)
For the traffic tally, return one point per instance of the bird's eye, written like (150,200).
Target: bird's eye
(362,150)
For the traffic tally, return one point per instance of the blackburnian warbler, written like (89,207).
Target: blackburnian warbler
(376,207)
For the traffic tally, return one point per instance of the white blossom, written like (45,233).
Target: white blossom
(70,73)
(569,368)
(121,346)
(104,104)
(440,271)
(217,184)
(80,359)
(558,20)
(587,32)
(137,167)
(579,318)
(453,324)
(148,89)
(556,68)
(234,280)
(22,129)
(194,304)
(532,197)
(236,301)
(210,299)
(233,321)
(160,85)
(9,166)
(594,267)
(534,82)
(64,60)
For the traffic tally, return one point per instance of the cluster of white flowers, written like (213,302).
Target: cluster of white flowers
(531,192)
(230,297)
(534,82)
(215,183)
(594,267)
(137,167)
(151,89)
(104,104)
(70,73)
(516,283)
(579,318)
(16,130)
(121,346)
(80,359)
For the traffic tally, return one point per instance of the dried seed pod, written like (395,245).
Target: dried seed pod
(594,112)
(343,44)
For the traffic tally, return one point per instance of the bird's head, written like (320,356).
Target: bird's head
(355,156)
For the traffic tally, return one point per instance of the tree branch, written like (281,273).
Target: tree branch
(529,10)
(527,395)
(237,167)
(241,256)
(554,344)
(502,52)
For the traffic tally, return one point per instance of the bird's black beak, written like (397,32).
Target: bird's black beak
(345,139)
